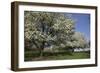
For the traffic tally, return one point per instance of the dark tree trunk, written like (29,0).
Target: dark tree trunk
(43,43)
(41,52)
(42,49)
(72,50)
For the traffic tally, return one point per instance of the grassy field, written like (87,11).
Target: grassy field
(34,56)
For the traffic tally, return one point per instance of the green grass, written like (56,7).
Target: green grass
(34,55)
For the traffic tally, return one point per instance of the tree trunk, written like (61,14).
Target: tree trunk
(42,48)
(43,43)
(72,50)
(41,52)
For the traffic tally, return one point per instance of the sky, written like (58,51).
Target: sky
(82,23)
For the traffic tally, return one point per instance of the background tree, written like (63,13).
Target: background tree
(44,29)
(80,41)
